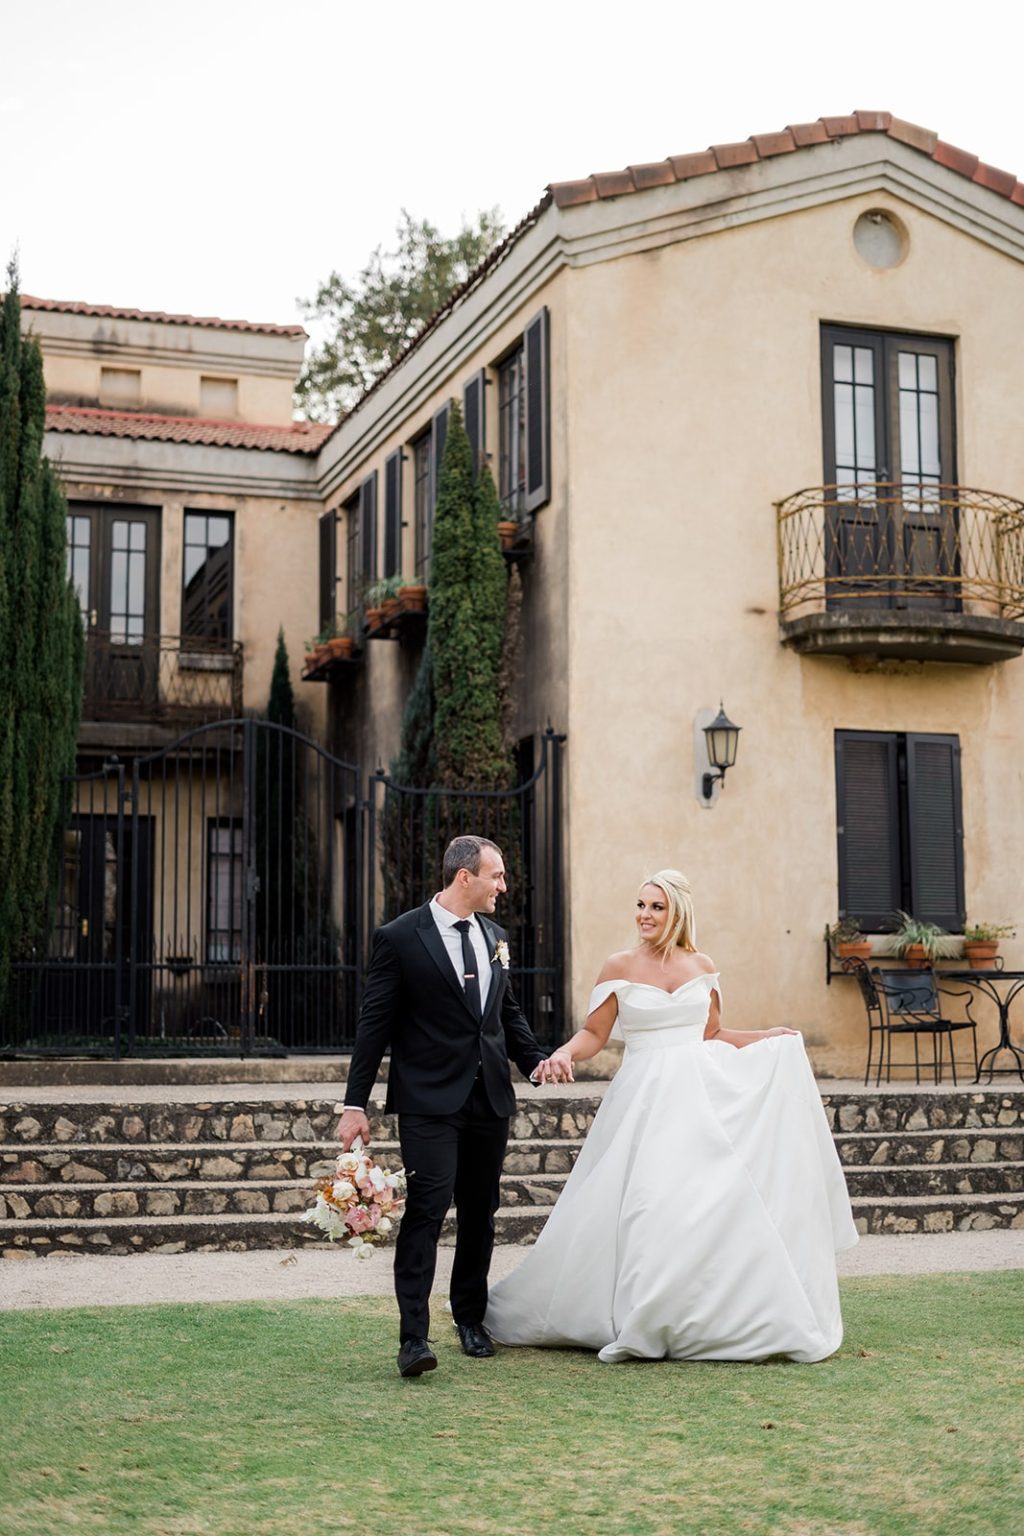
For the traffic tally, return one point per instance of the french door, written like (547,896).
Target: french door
(113,560)
(890,450)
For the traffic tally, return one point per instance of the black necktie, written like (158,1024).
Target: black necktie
(469,967)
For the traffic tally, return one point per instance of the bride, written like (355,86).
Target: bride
(702,1217)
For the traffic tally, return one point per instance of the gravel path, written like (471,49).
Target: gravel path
(278,1275)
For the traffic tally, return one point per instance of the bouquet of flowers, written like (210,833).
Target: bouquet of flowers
(359,1201)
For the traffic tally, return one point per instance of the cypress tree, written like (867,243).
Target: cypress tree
(41,650)
(466,622)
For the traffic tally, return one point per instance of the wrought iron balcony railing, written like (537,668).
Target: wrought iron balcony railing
(901,545)
(161,678)
(931,558)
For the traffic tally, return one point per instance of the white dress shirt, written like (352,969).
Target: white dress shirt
(452,940)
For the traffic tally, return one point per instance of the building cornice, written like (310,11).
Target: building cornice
(182,468)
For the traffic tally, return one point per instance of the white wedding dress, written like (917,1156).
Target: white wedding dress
(703,1214)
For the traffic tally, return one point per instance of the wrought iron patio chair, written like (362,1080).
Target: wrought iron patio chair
(911,1004)
(873,1006)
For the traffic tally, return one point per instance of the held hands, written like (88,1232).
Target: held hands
(352,1125)
(556,1069)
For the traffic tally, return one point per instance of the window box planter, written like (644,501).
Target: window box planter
(854,949)
(980,954)
(508,533)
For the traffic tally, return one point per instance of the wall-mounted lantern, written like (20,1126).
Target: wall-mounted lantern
(721,739)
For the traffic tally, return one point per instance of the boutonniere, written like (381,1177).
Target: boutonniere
(501,954)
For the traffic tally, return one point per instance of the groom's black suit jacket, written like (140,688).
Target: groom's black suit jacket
(413,1003)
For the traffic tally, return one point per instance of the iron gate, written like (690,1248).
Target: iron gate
(218,896)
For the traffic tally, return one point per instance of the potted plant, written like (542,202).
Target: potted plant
(329,645)
(413,598)
(381,601)
(981,942)
(508,532)
(847,940)
(920,943)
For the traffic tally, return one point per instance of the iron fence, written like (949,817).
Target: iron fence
(161,678)
(218,896)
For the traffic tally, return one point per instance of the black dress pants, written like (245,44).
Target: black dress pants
(448,1155)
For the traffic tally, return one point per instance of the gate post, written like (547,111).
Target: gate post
(120,914)
(250,887)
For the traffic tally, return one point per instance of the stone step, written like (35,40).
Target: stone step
(280,1116)
(515,1224)
(987,1145)
(936,1179)
(115,1162)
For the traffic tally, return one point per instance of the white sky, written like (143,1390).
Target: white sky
(221,156)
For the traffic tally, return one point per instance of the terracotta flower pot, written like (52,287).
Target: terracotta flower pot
(917,957)
(339,648)
(373,617)
(413,599)
(981,953)
(854,949)
(391,607)
(508,533)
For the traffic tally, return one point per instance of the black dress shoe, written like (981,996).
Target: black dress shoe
(415,1357)
(476,1341)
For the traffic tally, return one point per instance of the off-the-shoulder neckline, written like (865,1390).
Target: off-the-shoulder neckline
(614,980)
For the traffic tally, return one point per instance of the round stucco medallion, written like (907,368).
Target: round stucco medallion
(880,238)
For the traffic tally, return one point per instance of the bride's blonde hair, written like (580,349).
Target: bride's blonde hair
(680,926)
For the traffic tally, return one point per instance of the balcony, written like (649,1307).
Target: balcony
(161,680)
(923,572)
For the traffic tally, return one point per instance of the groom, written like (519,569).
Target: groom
(438,994)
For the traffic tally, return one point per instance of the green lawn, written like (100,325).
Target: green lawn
(290,1420)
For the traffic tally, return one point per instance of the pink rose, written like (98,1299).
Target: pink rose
(358,1220)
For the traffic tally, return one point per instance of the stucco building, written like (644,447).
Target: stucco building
(755,412)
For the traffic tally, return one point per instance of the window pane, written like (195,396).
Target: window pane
(927,372)
(865,424)
(842,364)
(218,531)
(908,370)
(864,364)
(929,419)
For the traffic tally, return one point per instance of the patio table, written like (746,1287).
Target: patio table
(988,983)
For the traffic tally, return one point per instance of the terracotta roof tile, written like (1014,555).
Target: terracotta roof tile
(773,143)
(805,134)
(699,164)
(657,174)
(299,437)
(728,155)
(1002,182)
(762,146)
(110,312)
(955,159)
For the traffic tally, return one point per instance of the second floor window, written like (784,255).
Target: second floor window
(206,610)
(423,503)
(889,449)
(512,433)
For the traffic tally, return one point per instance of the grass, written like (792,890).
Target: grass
(289,1419)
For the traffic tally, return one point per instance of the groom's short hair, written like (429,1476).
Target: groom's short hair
(464,853)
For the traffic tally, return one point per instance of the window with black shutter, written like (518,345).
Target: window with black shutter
(538,412)
(900,828)
(474,414)
(368,530)
(440,437)
(328,568)
(393,513)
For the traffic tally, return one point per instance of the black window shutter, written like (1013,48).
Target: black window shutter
(328,567)
(368,527)
(538,413)
(393,513)
(440,431)
(867,817)
(474,413)
(935,830)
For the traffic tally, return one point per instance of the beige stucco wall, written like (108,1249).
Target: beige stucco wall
(693,387)
(171,389)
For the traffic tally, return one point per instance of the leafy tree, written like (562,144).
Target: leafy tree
(371,319)
(41,650)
